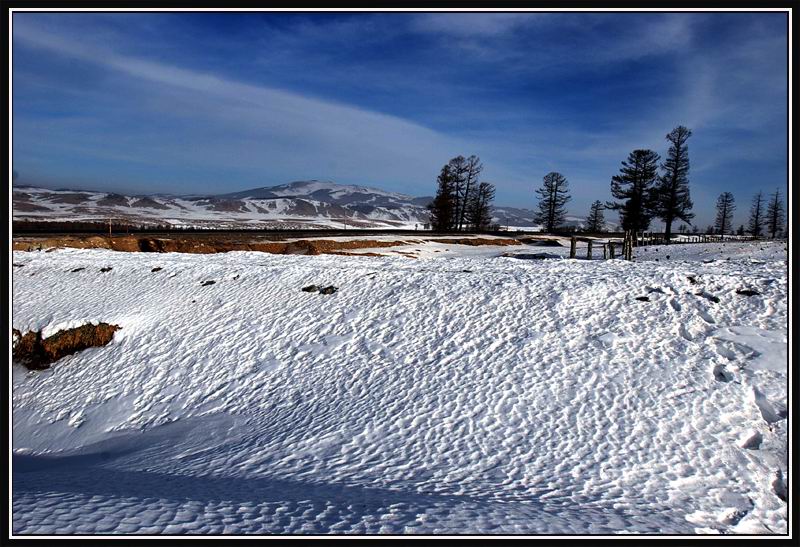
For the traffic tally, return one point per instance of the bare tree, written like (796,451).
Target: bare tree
(479,207)
(472,170)
(596,222)
(725,208)
(458,174)
(756,223)
(553,196)
(775,214)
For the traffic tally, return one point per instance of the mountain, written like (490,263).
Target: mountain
(299,204)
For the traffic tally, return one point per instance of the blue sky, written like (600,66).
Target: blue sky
(212,103)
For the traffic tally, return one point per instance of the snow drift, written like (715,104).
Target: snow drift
(443,395)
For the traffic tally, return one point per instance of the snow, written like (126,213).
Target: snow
(461,392)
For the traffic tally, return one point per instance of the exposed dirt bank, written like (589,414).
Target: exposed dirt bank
(37,353)
(221,244)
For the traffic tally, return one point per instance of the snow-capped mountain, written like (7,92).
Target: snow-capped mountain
(299,204)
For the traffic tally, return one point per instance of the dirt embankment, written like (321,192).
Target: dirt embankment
(37,353)
(221,244)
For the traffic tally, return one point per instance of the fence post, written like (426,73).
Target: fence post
(589,251)
(626,245)
(631,245)
(572,246)
(605,251)
(611,249)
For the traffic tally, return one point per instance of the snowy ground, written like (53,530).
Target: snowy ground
(448,394)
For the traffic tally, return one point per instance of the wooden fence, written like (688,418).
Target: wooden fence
(633,239)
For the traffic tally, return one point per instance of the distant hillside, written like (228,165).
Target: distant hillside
(299,204)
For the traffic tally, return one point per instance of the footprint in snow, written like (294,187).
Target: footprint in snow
(721,374)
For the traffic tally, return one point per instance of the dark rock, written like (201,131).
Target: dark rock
(747,292)
(18,265)
(310,288)
(642,299)
(207,283)
(157,269)
(328,290)
(692,279)
(106,269)
(77,270)
(708,296)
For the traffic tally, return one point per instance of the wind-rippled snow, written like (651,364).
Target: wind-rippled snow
(470,394)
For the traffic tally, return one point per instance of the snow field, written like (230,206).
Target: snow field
(464,394)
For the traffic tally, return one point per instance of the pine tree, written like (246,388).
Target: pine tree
(479,207)
(442,208)
(595,222)
(472,170)
(740,230)
(634,185)
(756,223)
(458,176)
(553,196)
(672,201)
(725,208)
(775,214)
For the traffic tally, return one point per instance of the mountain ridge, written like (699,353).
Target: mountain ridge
(304,204)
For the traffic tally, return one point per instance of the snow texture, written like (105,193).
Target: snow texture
(469,393)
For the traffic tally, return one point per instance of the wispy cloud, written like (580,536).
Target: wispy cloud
(481,25)
(312,136)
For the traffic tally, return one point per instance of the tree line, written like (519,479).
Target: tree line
(645,189)
(463,202)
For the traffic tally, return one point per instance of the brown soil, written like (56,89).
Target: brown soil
(36,353)
(221,244)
